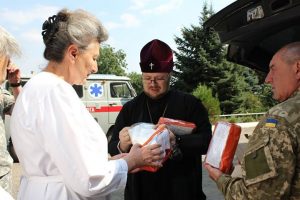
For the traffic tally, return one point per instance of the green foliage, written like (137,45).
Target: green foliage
(210,102)
(228,88)
(232,84)
(111,61)
(250,103)
(136,81)
(265,94)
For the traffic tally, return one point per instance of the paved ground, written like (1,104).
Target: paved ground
(209,186)
(16,178)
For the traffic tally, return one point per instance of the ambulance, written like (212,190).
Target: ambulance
(103,95)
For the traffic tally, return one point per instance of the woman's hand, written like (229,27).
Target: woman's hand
(118,156)
(150,155)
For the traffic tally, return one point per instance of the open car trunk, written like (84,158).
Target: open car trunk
(256,29)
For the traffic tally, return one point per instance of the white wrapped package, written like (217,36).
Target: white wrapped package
(146,134)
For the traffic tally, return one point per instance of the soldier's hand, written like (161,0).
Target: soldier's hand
(214,173)
(13,73)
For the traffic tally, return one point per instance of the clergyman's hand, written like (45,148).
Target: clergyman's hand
(125,141)
(172,138)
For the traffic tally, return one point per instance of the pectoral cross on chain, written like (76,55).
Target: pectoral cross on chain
(151,65)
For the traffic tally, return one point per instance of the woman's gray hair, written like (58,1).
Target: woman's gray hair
(78,27)
(8,44)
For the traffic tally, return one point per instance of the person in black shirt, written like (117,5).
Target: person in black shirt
(181,175)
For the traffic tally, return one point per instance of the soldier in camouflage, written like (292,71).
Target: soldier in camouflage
(271,162)
(8,48)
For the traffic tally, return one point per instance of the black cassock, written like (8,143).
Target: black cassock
(178,179)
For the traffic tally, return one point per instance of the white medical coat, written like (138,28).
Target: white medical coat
(5,195)
(61,148)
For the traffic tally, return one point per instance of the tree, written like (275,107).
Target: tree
(111,61)
(136,81)
(199,55)
(265,94)
(228,89)
(201,60)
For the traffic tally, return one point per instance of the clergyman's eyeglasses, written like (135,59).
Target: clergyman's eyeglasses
(149,80)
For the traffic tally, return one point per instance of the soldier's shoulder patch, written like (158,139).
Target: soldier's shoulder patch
(271,122)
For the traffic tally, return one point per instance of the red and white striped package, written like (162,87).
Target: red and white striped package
(223,145)
(178,127)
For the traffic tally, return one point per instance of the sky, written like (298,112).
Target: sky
(130,24)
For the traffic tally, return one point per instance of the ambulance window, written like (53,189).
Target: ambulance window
(79,90)
(120,90)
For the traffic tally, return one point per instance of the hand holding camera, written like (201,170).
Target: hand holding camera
(13,75)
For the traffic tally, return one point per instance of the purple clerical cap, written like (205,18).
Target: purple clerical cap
(156,56)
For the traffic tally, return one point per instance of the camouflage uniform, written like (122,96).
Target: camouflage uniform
(6,102)
(271,163)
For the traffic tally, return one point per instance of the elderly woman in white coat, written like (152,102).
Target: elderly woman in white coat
(61,148)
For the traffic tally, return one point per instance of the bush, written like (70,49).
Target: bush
(211,103)
(250,103)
